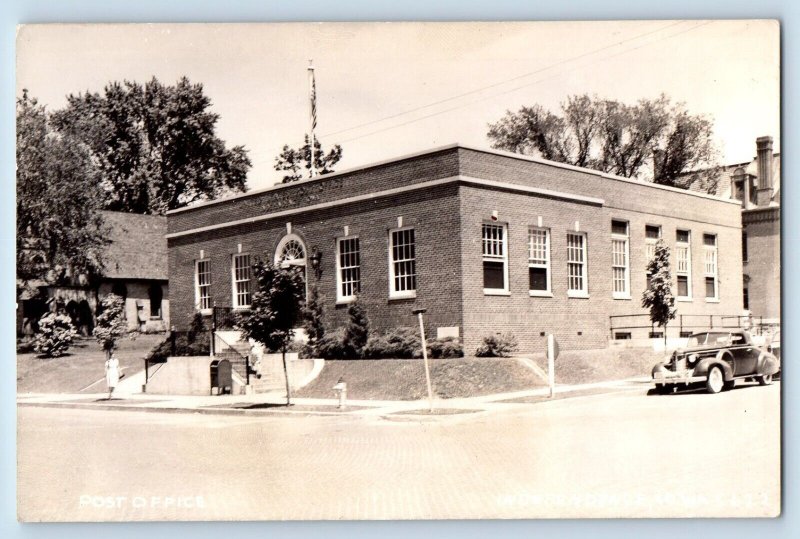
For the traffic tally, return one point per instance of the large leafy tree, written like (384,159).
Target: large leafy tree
(155,145)
(276,308)
(60,233)
(652,139)
(296,163)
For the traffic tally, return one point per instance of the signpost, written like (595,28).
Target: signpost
(419,313)
(552,354)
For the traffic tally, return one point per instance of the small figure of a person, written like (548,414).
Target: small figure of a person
(112,374)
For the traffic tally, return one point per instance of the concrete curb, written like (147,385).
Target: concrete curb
(400,411)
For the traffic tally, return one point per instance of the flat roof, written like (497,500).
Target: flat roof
(452,146)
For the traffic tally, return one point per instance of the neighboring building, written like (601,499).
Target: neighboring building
(486,241)
(757,185)
(135,267)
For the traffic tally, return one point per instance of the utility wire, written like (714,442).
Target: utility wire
(494,85)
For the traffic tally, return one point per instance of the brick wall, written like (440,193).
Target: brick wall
(433,213)
(528,317)
(408,171)
(447,221)
(763,266)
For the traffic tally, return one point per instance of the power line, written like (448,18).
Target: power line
(478,90)
(518,77)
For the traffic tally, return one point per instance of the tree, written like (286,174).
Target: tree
(60,233)
(156,145)
(658,296)
(652,139)
(110,327)
(295,161)
(356,333)
(275,309)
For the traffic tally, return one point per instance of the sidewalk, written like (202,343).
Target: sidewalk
(274,402)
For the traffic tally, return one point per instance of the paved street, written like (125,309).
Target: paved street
(619,454)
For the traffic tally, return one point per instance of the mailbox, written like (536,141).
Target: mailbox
(221,377)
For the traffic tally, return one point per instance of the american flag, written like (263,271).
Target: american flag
(313,90)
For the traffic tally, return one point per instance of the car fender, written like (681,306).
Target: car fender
(767,364)
(704,365)
(658,367)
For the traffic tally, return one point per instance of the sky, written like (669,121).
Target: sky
(389,89)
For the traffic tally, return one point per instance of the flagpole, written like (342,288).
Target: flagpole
(312,117)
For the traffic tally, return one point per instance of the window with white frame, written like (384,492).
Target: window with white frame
(495,258)
(652,233)
(620,264)
(348,268)
(539,261)
(683,263)
(577,283)
(240,269)
(202,280)
(710,265)
(403,263)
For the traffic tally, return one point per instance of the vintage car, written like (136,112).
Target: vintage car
(715,358)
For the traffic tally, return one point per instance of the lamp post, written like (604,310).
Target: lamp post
(419,313)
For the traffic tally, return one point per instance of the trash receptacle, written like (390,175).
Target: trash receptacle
(221,378)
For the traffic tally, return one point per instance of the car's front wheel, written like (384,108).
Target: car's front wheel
(765,380)
(715,381)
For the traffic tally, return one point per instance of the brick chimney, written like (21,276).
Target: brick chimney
(764,162)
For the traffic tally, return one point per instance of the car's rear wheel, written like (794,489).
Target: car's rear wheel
(765,380)
(715,381)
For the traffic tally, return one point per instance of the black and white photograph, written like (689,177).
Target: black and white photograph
(398,270)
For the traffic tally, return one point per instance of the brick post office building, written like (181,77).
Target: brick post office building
(486,241)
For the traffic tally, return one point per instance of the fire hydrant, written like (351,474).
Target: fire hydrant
(341,390)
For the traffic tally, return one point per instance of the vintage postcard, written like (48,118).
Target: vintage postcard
(344,271)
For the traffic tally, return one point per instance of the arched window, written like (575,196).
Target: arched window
(291,252)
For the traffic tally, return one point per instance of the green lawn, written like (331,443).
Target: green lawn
(404,379)
(588,366)
(83,365)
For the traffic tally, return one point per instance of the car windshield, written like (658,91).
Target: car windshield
(702,339)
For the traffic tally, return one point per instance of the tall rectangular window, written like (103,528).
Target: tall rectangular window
(652,233)
(710,265)
(683,263)
(577,284)
(403,264)
(241,281)
(620,266)
(348,268)
(495,258)
(744,246)
(202,281)
(539,261)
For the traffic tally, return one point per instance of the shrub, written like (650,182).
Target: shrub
(399,343)
(185,345)
(312,319)
(447,347)
(55,336)
(331,346)
(110,327)
(197,327)
(497,346)
(356,333)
